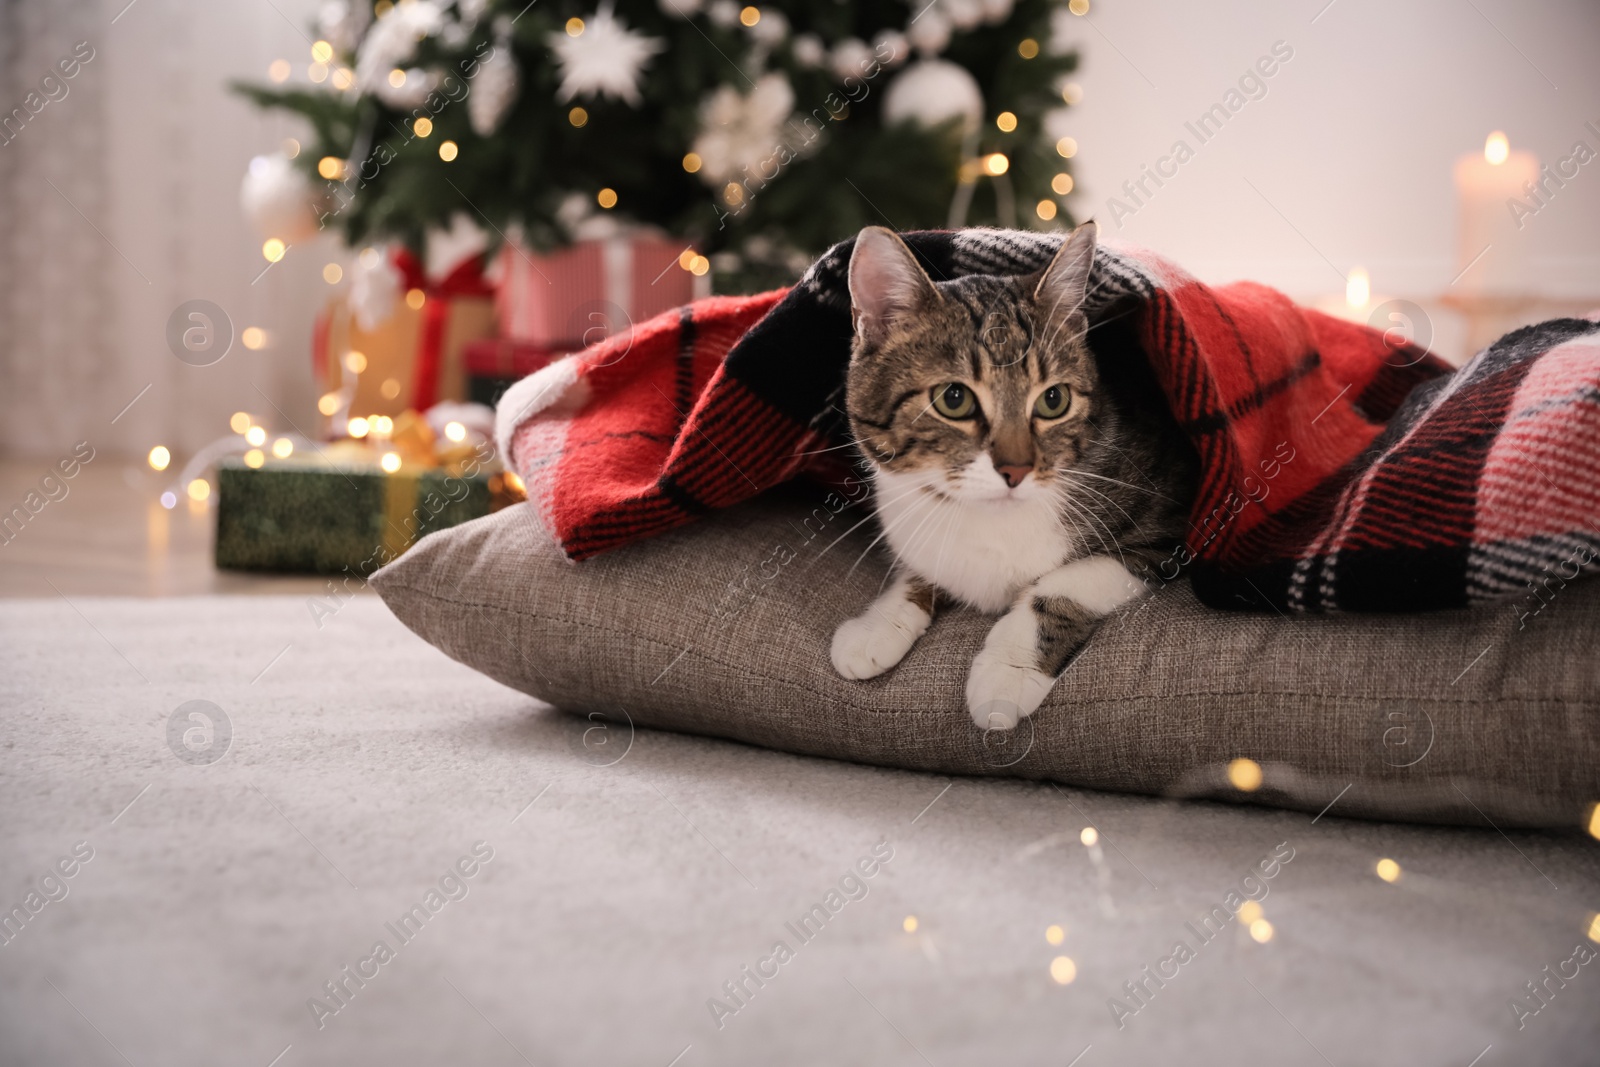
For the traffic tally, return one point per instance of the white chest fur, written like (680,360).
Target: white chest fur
(985,552)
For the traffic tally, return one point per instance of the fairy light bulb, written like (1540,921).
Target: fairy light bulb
(1245,775)
(159,458)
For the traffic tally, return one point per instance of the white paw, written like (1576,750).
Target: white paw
(870,645)
(1004,688)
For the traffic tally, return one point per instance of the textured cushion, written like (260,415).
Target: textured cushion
(722,628)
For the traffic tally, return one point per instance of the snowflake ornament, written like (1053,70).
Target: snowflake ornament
(740,131)
(392,42)
(605,59)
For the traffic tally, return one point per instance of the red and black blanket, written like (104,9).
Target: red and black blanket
(1343,469)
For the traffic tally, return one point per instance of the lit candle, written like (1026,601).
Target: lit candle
(1491,256)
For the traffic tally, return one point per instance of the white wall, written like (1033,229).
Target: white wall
(147,150)
(1353,144)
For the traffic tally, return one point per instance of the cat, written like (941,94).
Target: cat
(1019,466)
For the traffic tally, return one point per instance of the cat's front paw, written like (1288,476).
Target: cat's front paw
(1003,689)
(870,645)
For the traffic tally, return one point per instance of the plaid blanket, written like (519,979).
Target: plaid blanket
(1342,469)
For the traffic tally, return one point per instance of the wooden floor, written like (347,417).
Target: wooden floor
(110,536)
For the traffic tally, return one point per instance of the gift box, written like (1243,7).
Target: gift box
(414,357)
(572,298)
(338,509)
(494,364)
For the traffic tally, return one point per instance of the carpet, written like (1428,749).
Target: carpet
(551,891)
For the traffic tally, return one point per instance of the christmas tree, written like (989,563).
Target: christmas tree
(758,134)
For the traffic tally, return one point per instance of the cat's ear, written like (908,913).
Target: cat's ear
(886,282)
(1065,282)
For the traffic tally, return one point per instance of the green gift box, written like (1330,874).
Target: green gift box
(338,511)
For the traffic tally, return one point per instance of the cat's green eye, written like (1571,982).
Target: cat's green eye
(954,401)
(1053,402)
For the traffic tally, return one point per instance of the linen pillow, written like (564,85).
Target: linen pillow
(722,628)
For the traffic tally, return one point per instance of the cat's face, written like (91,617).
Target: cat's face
(981,388)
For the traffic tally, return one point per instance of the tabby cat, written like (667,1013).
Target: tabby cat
(1020,465)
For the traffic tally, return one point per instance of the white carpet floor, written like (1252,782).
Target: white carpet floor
(363,766)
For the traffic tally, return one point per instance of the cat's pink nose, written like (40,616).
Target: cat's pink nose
(1013,474)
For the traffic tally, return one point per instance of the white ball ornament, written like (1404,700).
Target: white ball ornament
(929,33)
(891,48)
(964,14)
(850,58)
(933,91)
(278,199)
(808,50)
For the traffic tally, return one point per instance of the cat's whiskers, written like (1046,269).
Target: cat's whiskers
(887,526)
(1082,509)
(1126,485)
(835,448)
(1107,499)
(910,542)
(872,513)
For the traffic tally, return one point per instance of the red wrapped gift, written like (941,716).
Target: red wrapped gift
(580,295)
(493,363)
(502,357)
(415,357)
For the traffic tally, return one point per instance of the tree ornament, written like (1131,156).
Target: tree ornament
(723,14)
(997,10)
(739,131)
(342,22)
(375,287)
(808,50)
(412,90)
(964,14)
(929,32)
(681,8)
(933,91)
(771,29)
(494,89)
(850,58)
(891,48)
(278,199)
(605,59)
(392,42)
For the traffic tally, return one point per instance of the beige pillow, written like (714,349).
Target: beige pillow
(723,628)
